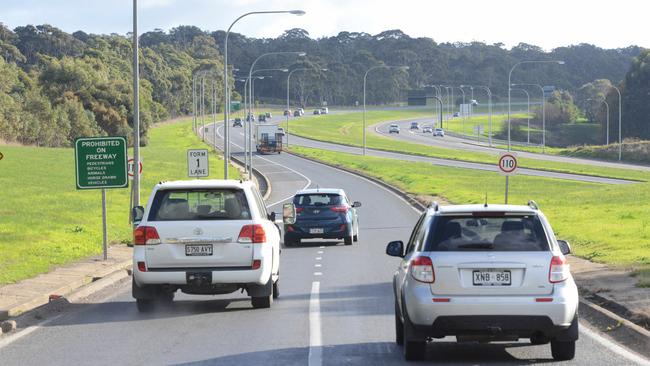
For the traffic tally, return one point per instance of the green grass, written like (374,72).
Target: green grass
(45,221)
(466,127)
(346,128)
(604,223)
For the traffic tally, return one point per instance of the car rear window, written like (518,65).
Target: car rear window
(317,199)
(523,233)
(205,204)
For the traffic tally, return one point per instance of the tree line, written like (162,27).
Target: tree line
(56,86)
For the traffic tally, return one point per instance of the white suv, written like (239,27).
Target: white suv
(484,273)
(205,237)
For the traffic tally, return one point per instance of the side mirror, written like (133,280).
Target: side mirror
(271,217)
(137,213)
(289,213)
(395,249)
(565,248)
(356,204)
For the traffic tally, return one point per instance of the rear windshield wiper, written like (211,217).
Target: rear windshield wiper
(476,246)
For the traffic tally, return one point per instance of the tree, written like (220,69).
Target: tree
(636,100)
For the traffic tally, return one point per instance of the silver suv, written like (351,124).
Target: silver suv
(484,273)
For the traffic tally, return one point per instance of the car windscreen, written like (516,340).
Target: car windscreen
(522,233)
(204,204)
(317,199)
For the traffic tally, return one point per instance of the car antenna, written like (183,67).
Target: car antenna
(485,205)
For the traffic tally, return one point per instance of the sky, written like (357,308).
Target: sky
(548,23)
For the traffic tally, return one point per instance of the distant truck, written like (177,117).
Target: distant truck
(268,139)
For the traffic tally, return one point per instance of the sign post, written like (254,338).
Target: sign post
(508,166)
(197,163)
(100,163)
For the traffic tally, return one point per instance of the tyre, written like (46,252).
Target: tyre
(263,302)
(348,240)
(355,238)
(399,327)
(166,297)
(144,305)
(276,289)
(563,351)
(414,350)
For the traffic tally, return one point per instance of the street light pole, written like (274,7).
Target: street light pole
(463,112)
(136,108)
(607,123)
(509,94)
(620,139)
(489,93)
(528,111)
(226,117)
(541,88)
(365,76)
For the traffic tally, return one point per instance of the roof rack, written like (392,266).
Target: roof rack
(532,204)
(434,205)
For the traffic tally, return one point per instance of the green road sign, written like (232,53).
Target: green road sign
(100,162)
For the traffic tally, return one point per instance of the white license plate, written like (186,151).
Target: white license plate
(198,250)
(491,278)
(316,231)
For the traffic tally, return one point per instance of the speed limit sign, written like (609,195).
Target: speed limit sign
(508,163)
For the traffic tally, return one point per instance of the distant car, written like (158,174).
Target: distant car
(427,129)
(473,102)
(281,131)
(268,115)
(302,111)
(205,237)
(323,214)
(297,113)
(415,126)
(262,118)
(250,118)
(287,112)
(393,128)
(316,111)
(484,273)
(324,110)
(237,122)
(439,132)
(456,114)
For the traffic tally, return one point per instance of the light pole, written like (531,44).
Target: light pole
(288,110)
(463,112)
(136,112)
(509,94)
(365,76)
(607,108)
(439,112)
(620,140)
(528,111)
(226,92)
(247,120)
(489,94)
(448,102)
(541,88)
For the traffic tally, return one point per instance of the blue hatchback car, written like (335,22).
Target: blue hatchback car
(323,214)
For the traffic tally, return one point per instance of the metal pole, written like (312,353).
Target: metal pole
(203,108)
(543,122)
(471,109)
(507,189)
(463,112)
(364,112)
(607,107)
(193,104)
(620,135)
(104,234)
(527,116)
(136,107)
(214,114)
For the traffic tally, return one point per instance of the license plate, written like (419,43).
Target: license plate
(316,231)
(198,249)
(490,277)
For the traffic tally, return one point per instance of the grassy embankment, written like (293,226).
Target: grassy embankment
(604,223)
(346,128)
(45,221)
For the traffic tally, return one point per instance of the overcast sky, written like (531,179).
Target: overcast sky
(549,23)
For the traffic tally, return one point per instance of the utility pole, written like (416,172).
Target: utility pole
(136,109)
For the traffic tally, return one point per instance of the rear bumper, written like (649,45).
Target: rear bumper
(331,231)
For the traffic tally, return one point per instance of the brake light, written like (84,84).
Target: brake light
(299,209)
(422,269)
(257,263)
(142,267)
(342,209)
(145,235)
(558,270)
(252,234)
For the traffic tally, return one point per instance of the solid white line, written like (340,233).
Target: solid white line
(315,341)
(610,345)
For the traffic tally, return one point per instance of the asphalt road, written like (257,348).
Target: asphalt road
(471,145)
(335,307)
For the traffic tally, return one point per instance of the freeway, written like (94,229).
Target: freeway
(471,145)
(335,307)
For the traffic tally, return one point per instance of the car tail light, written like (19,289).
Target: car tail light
(145,235)
(256,264)
(252,234)
(342,209)
(558,270)
(422,269)
(142,267)
(299,209)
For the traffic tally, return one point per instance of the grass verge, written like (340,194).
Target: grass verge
(46,222)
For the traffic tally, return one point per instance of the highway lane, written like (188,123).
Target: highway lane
(335,308)
(467,144)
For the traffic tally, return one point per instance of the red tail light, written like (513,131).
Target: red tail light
(299,209)
(558,270)
(145,235)
(142,267)
(252,234)
(342,209)
(422,269)
(256,264)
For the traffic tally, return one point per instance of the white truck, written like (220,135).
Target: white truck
(268,138)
